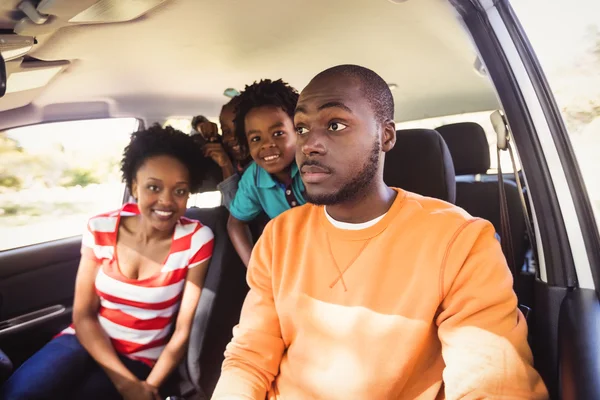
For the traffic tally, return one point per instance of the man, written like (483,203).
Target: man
(226,151)
(372,292)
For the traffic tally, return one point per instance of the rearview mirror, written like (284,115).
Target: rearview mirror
(2,76)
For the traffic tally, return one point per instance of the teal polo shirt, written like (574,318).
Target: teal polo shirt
(259,191)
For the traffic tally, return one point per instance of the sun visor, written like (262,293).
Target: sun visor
(26,79)
(51,15)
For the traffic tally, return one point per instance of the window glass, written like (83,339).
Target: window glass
(200,200)
(566,39)
(183,124)
(55,176)
(481,118)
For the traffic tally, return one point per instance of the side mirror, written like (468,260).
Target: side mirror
(2,76)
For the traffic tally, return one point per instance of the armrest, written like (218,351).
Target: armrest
(6,367)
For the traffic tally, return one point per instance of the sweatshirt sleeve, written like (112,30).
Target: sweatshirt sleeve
(253,356)
(483,334)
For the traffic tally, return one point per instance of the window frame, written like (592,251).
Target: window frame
(562,142)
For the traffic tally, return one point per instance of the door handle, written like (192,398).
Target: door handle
(33,318)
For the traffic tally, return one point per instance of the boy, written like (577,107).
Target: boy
(264,120)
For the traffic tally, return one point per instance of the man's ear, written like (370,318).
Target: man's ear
(389,136)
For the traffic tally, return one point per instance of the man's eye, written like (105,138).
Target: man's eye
(278,133)
(336,127)
(153,188)
(301,130)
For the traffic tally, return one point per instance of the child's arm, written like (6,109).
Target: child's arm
(241,238)
(243,209)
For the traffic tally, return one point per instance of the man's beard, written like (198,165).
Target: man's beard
(355,188)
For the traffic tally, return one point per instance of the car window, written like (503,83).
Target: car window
(566,40)
(481,118)
(55,176)
(200,200)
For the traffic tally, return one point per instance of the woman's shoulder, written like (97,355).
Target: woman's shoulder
(107,222)
(193,229)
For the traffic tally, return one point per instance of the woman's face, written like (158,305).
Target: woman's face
(162,187)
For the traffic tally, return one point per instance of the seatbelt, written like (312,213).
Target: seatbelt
(501,128)
(500,125)
(505,234)
(528,225)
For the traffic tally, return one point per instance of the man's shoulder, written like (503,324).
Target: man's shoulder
(295,217)
(435,213)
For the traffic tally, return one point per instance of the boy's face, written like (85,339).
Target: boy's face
(271,138)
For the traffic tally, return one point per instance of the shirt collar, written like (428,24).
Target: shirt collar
(265,180)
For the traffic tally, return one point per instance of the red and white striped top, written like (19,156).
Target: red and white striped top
(138,315)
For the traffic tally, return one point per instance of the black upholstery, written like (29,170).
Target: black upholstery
(421,163)
(6,367)
(218,310)
(468,146)
(480,197)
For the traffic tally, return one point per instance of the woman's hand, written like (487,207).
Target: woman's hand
(139,390)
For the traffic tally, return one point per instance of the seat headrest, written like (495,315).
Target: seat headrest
(468,146)
(421,163)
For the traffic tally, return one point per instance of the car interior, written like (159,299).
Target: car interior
(156,61)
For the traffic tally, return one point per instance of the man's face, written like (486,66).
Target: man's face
(271,138)
(339,141)
(236,149)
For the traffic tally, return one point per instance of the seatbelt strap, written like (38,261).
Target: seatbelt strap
(505,235)
(528,225)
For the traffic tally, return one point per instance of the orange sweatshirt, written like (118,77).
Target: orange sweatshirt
(418,306)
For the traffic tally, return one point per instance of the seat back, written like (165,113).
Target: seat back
(218,309)
(480,197)
(421,163)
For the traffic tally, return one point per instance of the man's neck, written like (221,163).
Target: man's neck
(374,203)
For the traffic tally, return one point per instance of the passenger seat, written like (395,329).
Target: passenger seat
(476,191)
(218,311)
(420,162)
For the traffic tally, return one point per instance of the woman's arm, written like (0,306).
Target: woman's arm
(241,238)
(177,346)
(93,338)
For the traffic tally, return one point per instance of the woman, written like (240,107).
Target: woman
(141,273)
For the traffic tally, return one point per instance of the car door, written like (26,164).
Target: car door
(53,178)
(565,323)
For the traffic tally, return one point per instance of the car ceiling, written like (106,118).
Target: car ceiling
(177,59)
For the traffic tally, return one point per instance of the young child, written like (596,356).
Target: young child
(264,120)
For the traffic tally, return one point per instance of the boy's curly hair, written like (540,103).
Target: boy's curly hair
(159,141)
(264,93)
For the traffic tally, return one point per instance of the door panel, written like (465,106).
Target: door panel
(543,333)
(40,280)
(579,345)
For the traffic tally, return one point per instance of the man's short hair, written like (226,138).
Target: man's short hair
(198,119)
(375,89)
